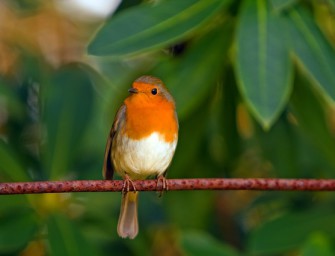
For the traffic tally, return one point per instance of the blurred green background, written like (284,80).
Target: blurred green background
(254,83)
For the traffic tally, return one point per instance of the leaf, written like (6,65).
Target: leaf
(284,156)
(290,231)
(17,229)
(189,143)
(147,27)
(27,5)
(317,244)
(10,165)
(192,78)
(65,238)
(314,53)
(310,114)
(331,4)
(263,66)
(203,207)
(11,100)
(280,5)
(200,243)
(227,122)
(68,108)
(13,202)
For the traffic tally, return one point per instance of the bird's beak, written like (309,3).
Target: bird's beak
(133,90)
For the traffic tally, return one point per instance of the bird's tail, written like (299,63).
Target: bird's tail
(128,224)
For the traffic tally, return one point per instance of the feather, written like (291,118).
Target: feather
(108,167)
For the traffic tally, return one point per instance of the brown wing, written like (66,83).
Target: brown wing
(108,168)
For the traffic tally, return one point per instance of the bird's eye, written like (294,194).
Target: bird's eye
(154,91)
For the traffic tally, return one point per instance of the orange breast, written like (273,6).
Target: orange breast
(143,119)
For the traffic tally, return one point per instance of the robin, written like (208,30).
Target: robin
(141,143)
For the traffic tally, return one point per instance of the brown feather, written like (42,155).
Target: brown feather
(128,223)
(108,168)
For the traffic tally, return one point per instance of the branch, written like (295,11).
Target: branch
(173,184)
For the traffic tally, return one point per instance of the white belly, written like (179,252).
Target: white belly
(142,158)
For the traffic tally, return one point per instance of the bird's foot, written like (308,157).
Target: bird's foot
(161,185)
(127,182)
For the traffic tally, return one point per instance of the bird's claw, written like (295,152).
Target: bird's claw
(161,185)
(126,185)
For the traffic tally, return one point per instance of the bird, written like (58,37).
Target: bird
(141,144)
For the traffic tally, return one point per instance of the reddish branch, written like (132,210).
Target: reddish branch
(173,184)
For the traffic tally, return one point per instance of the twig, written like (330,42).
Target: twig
(173,184)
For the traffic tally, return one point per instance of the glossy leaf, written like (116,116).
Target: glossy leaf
(195,75)
(290,231)
(284,156)
(311,116)
(17,228)
(68,107)
(263,65)
(199,243)
(65,238)
(147,27)
(313,51)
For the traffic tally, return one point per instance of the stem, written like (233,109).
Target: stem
(173,184)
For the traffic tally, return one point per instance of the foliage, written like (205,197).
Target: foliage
(254,86)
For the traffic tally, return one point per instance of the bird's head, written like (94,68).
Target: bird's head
(149,90)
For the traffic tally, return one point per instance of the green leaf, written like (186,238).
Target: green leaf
(65,238)
(13,202)
(175,208)
(186,152)
(313,51)
(317,244)
(284,156)
(227,122)
(280,5)
(290,231)
(331,4)
(263,66)
(311,116)
(27,5)
(10,165)
(68,109)
(17,229)
(147,27)
(200,243)
(9,99)
(222,146)
(195,75)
